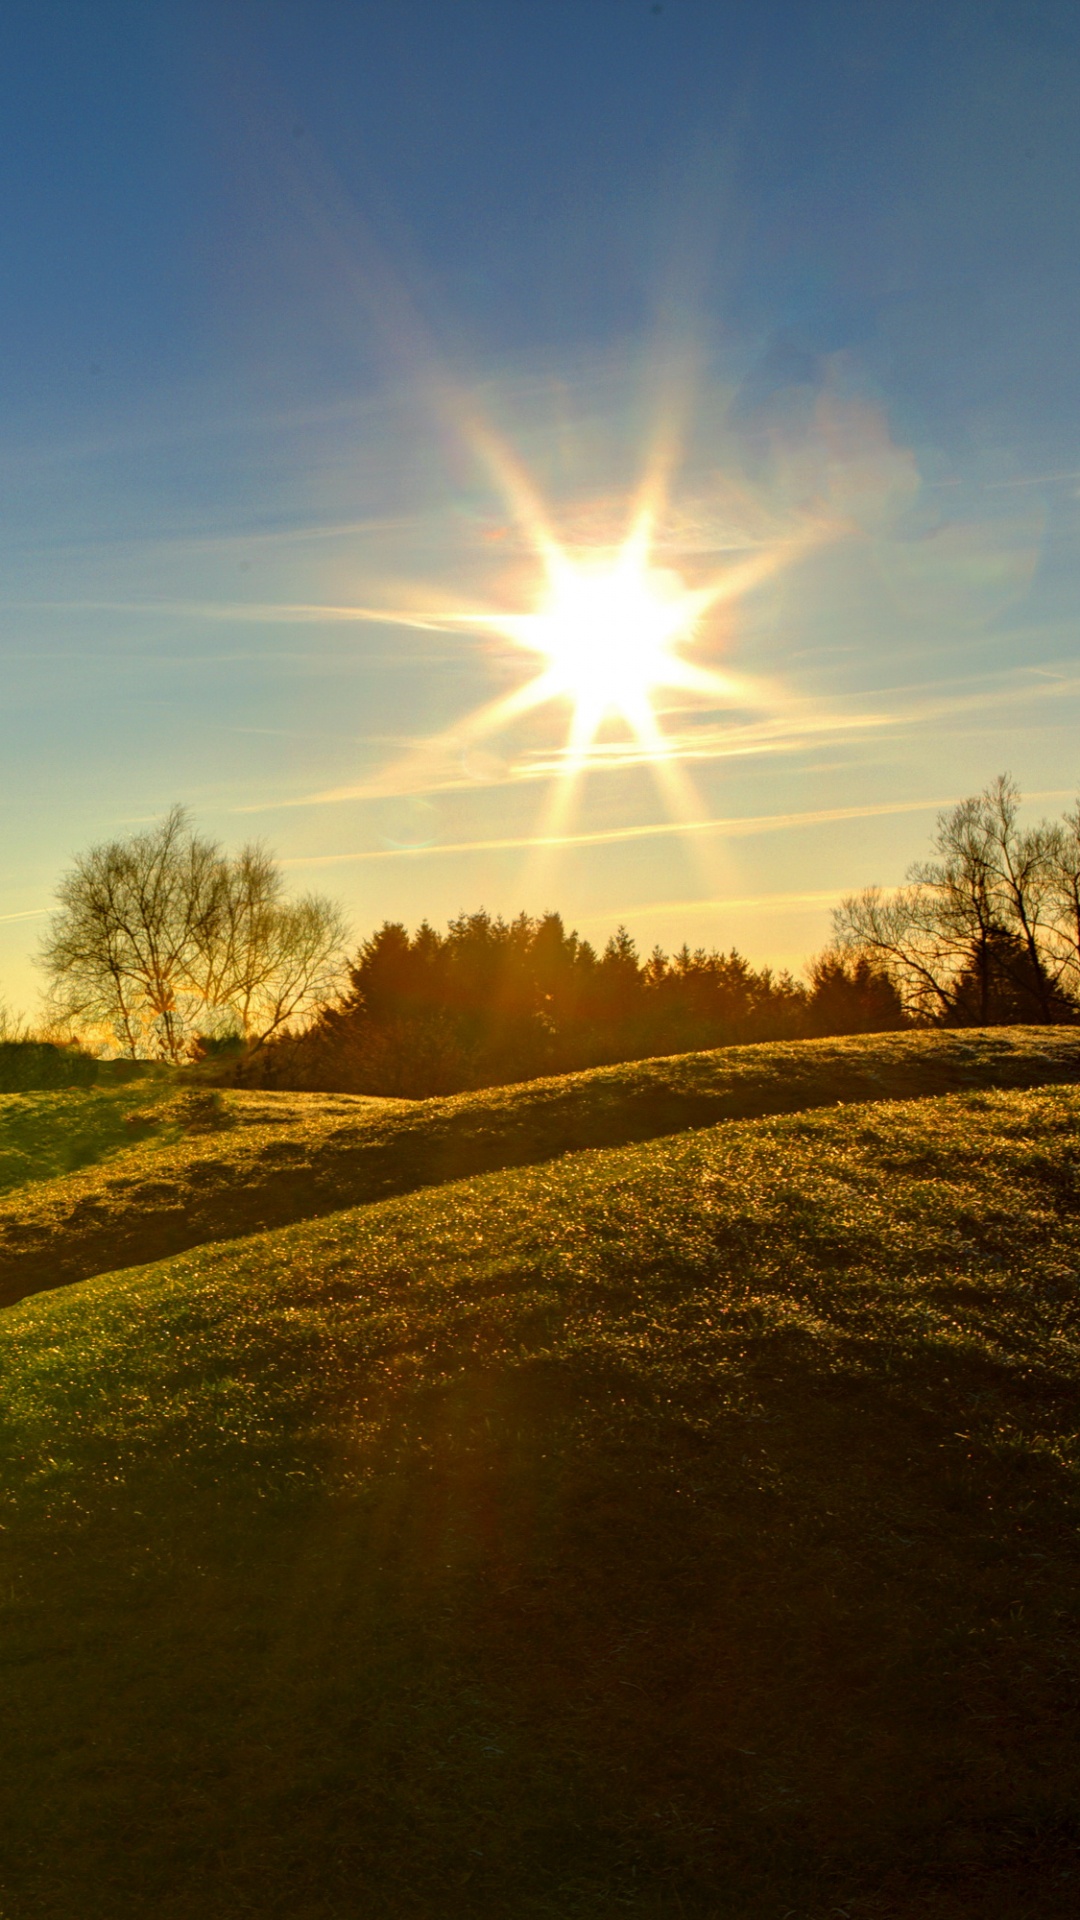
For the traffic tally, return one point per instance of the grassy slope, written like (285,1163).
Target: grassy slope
(307,1154)
(687,1529)
(94,1179)
(44,1136)
(48,1135)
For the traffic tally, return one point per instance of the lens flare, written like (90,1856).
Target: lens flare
(610,629)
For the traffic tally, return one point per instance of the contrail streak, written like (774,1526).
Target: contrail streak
(736,827)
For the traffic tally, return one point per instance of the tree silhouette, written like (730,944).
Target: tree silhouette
(162,938)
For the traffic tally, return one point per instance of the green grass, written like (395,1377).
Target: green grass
(47,1135)
(44,1136)
(87,1178)
(216,1164)
(687,1529)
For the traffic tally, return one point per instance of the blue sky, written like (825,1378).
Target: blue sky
(289,291)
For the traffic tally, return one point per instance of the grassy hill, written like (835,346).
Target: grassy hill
(207,1165)
(686,1527)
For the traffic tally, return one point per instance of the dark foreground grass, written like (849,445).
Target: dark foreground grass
(200,1176)
(686,1530)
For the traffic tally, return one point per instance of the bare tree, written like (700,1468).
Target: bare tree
(1019,868)
(988,929)
(1063,863)
(273,959)
(162,937)
(900,932)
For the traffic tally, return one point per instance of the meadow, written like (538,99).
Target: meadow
(178,1161)
(653,1491)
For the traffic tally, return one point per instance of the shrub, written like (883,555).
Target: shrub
(34,1065)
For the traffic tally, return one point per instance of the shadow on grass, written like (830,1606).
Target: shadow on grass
(806,1656)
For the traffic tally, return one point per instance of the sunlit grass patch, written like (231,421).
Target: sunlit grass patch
(45,1135)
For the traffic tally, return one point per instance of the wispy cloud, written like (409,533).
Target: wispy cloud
(246,612)
(1030,480)
(733,827)
(434,767)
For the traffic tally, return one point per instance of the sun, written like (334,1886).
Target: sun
(608,632)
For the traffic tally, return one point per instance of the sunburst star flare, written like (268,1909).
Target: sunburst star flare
(611,628)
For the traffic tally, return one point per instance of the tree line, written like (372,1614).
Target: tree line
(491,1001)
(166,947)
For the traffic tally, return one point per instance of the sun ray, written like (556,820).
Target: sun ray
(555,817)
(674,786)
(515,484)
